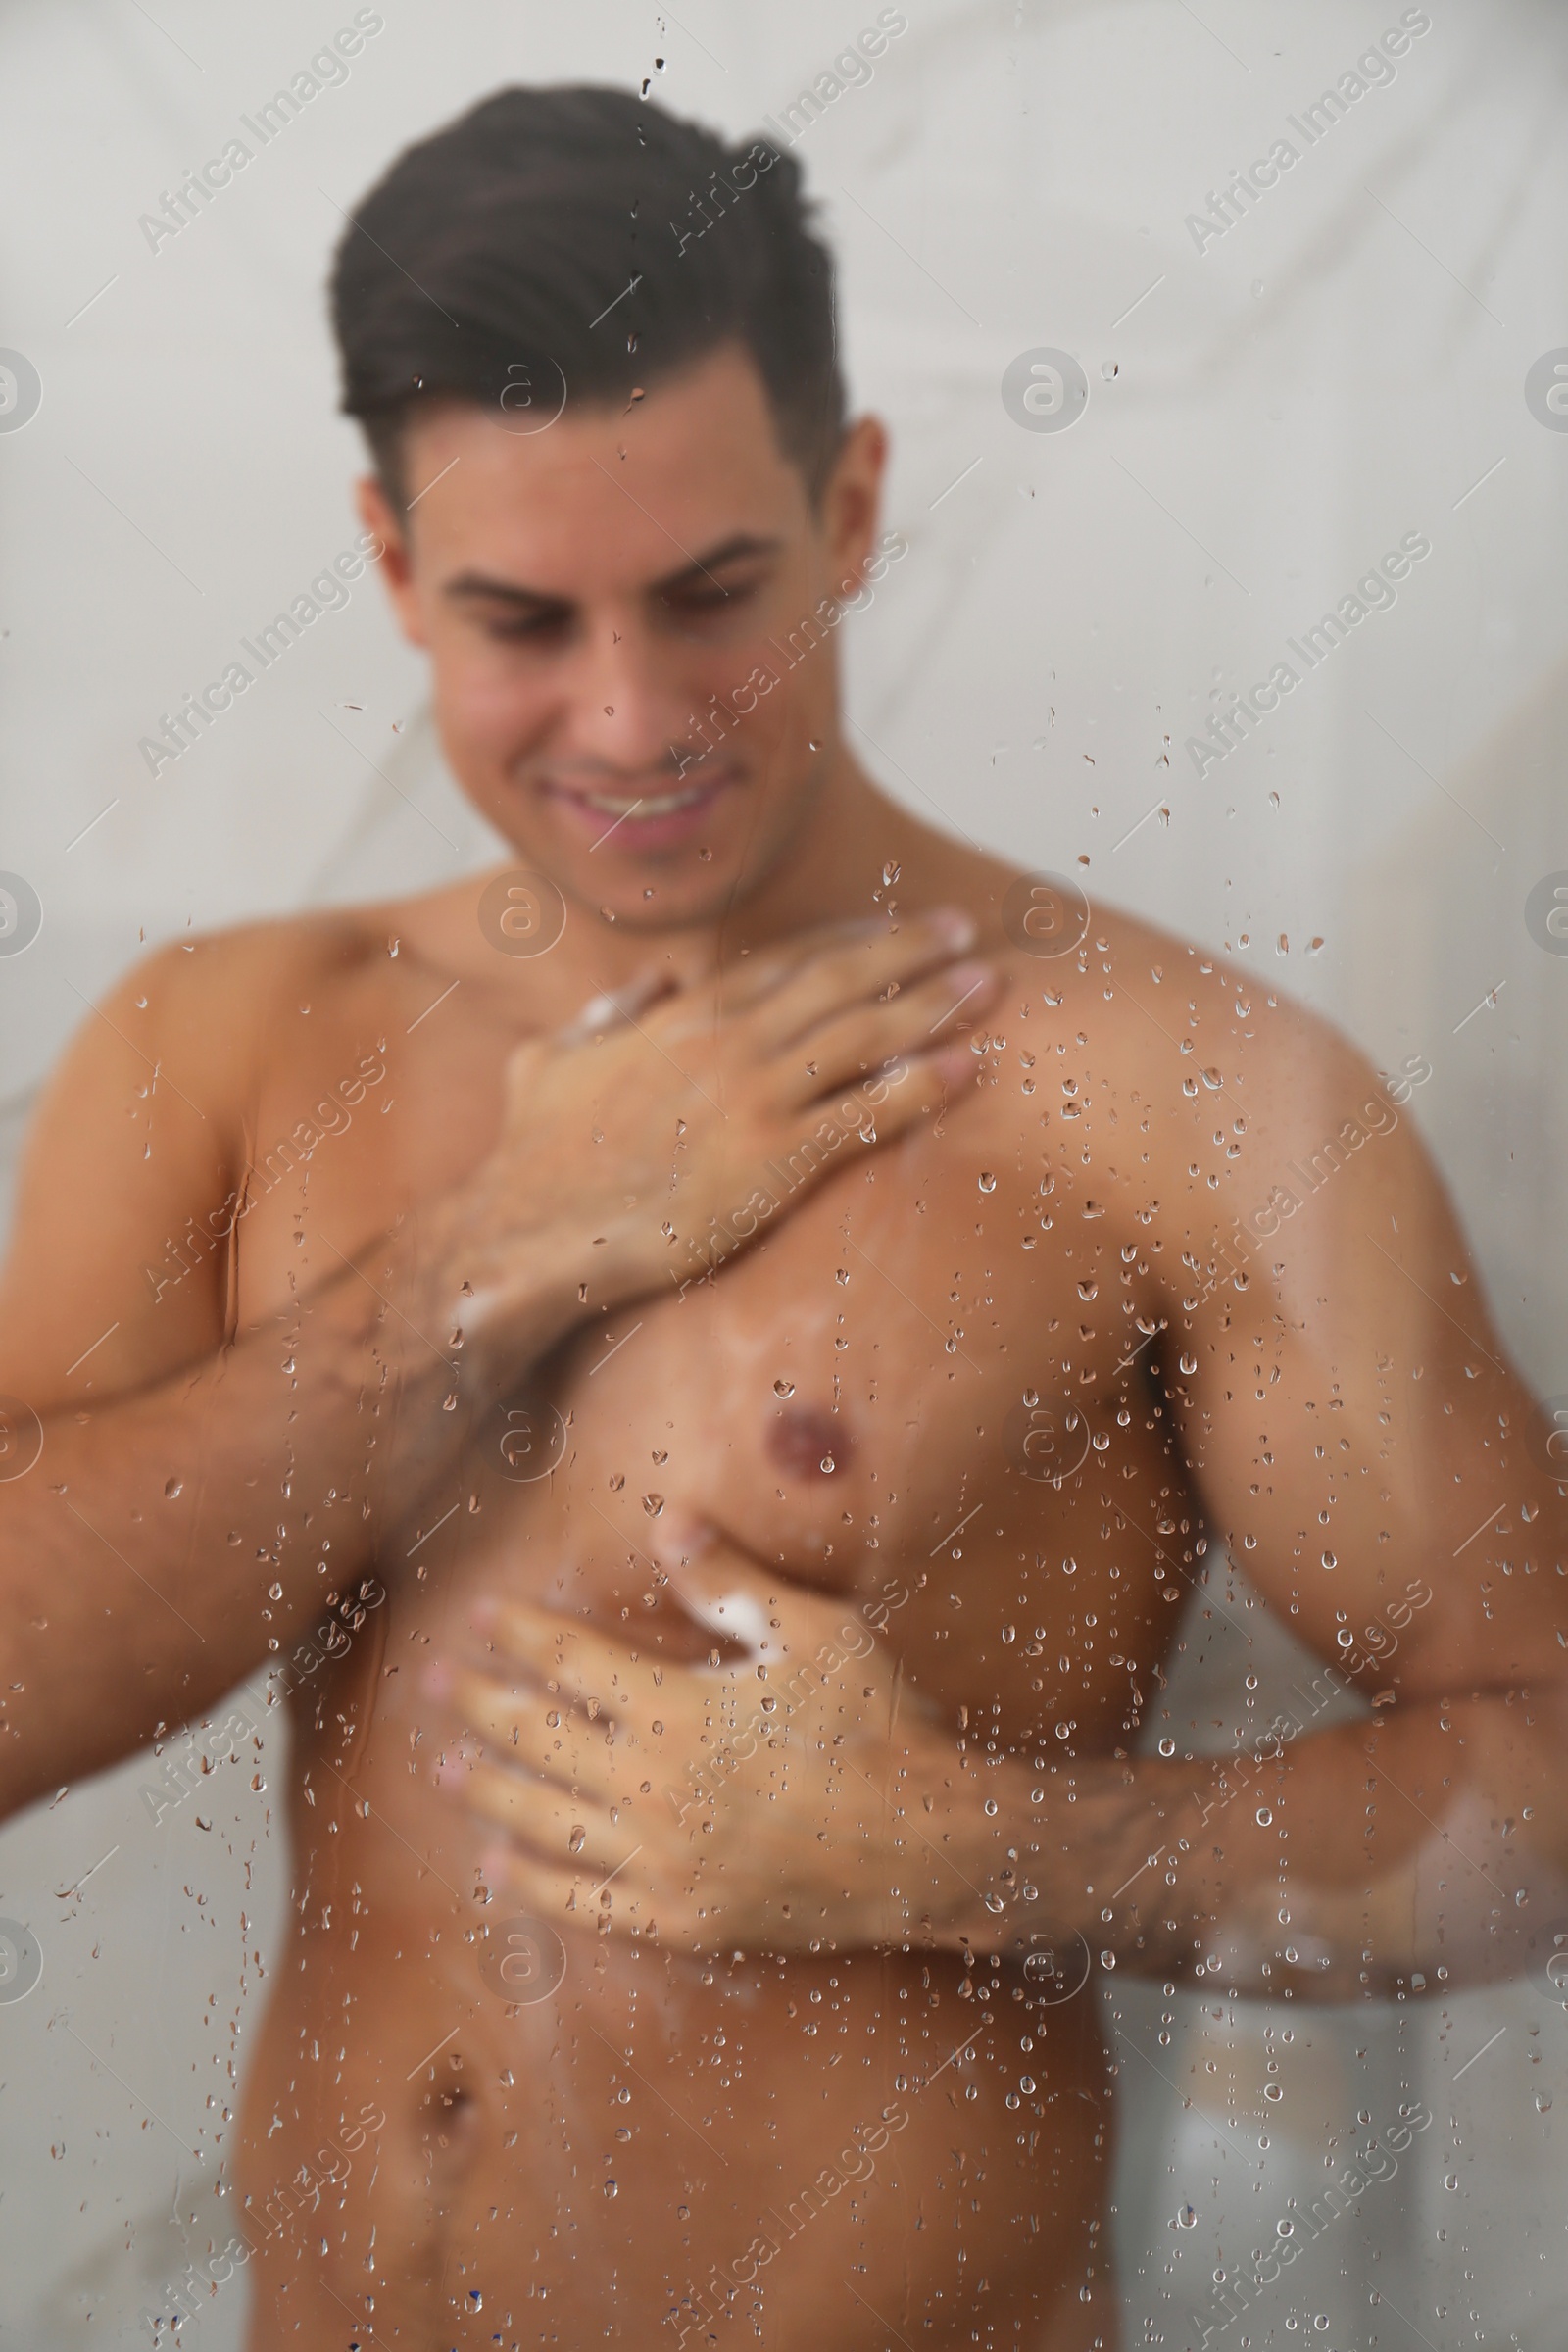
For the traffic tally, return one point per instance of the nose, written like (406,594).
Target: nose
(627,706)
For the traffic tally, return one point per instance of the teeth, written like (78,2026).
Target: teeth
(648,805)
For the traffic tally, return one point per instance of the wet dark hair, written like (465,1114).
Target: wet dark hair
(493,259)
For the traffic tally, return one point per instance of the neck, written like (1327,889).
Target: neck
(831,870)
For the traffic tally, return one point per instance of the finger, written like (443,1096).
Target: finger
(542,1889)
(616,1009)
(859,1043)
(579,1662)
(731,1593)
(826,1634)
(518,1723)
(914,1088)
(860,969)
(579,1668)
(742,982)
(541,1819)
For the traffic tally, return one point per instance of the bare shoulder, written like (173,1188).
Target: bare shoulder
(1151,1064)
(1176,1021)
(208,1008)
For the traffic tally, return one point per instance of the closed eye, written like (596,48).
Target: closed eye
(549,626)
(698,601)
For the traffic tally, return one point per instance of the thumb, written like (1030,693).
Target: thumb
(614,1007)
(729,1590)
(722,1588)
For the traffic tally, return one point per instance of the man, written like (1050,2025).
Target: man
(750,1431)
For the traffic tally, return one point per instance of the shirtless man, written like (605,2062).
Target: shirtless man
(753,1429)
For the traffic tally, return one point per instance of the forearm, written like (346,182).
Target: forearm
(168,1543)
(1374,1857)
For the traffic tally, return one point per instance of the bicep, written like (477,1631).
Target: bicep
(115,1271)
(1352,1420)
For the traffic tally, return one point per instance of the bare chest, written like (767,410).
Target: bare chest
(880,1399)
(908,1391)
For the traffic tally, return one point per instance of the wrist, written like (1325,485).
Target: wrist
(976,1861)
(494,1297)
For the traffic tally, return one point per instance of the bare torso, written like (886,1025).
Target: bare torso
(866,1400)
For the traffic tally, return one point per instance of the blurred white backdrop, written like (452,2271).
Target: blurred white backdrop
(1266,415)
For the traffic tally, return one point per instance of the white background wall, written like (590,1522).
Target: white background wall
(1264,418)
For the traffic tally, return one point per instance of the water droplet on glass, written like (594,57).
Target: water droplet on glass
(890,872)
(1264,1817)
(610,2189)
(988,1182)
(1329,1560)
(172,1487)
(783,1388)
(274,1592)
(652,1504)
(1167,1748)
(829,1464)
(575,1842)
(1187,2219)
(1189,1363)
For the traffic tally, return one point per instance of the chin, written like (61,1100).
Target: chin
(683,906)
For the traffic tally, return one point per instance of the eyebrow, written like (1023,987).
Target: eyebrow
(734,550)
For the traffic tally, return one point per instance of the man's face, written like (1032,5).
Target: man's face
(630,620)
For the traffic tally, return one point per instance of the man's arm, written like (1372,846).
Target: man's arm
(202,1489)
(1365,1451)
(168,1538)
(1360,1445)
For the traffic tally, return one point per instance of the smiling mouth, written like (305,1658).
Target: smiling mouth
(647,804)
(647,808)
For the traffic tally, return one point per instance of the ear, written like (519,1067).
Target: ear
(378,514)
(852,501)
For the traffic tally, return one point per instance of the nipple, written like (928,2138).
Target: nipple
(806,1443)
